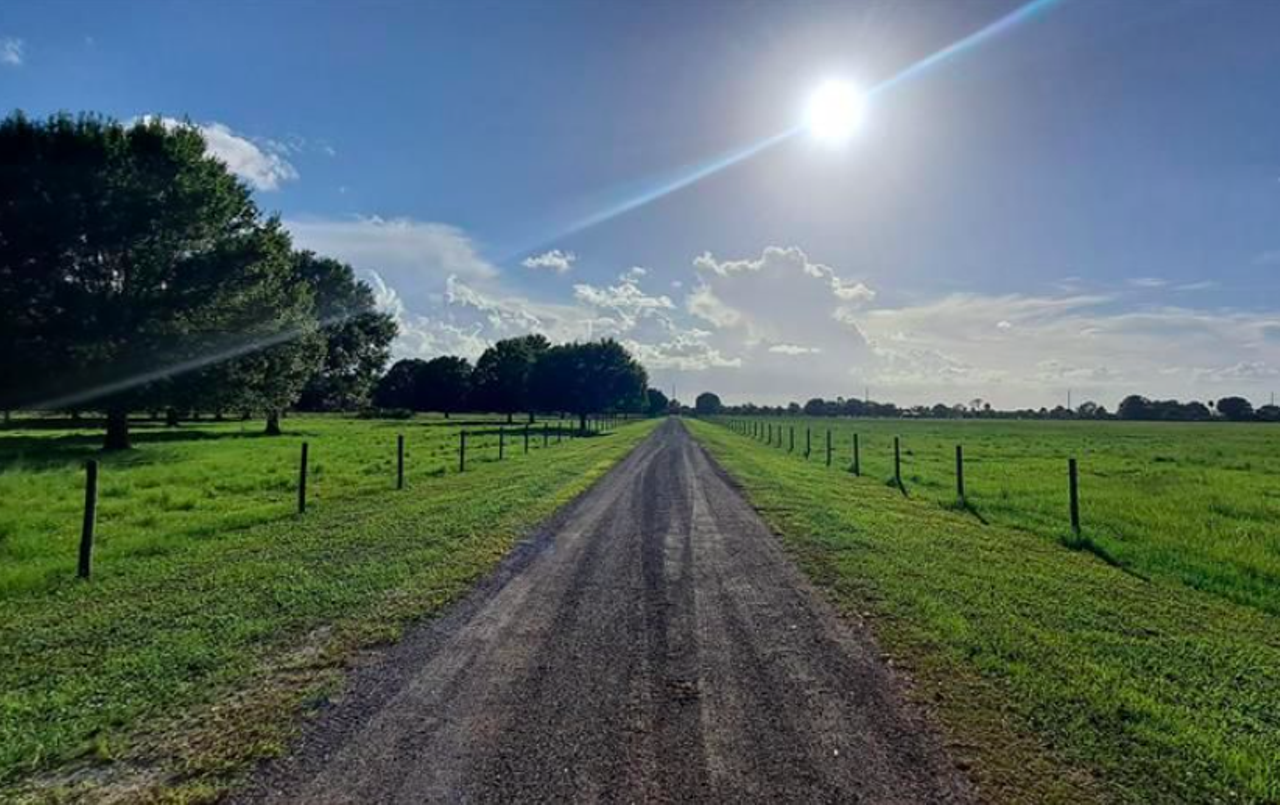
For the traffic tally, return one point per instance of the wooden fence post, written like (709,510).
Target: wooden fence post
(808,442)
(792,442)
(828,447)
(1074,484)
(897,462)
(90,517)
(857,459)
(960,472)
(400,461)
(302,481)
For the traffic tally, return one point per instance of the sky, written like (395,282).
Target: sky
(1083,195)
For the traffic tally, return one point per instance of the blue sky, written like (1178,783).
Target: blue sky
(1089,199)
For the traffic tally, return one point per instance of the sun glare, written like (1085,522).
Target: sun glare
(835,111)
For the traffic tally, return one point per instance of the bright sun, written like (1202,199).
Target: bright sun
(835,111)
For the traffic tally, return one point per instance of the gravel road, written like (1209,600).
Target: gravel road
(652,643)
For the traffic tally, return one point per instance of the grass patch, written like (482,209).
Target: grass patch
(1060,676)
(208,626)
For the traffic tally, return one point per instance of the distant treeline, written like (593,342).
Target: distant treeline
(524,375)
(1133,408)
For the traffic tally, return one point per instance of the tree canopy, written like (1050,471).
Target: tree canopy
(707,403)
(584,379)
(501,381)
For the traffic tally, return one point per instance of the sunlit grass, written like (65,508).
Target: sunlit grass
(1194,503)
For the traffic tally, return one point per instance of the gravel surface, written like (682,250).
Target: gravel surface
(651,643)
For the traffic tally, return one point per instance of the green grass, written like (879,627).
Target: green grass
(1061,676)
(214,609)
(1193,503)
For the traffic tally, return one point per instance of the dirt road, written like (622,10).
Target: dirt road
(653,644)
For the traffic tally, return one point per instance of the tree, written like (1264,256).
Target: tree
(1236,409)
(1269,413)
(708,404)
(399,386)
(357,337)
(445,384)
(1134,407)
(129,258)
(585,379)
(501,379)
(657,403)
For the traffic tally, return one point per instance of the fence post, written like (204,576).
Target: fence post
(526,438)
(546,434)
(502,443)
(857,459)
(302,481)
(400,461)
(808,442)
(828,447)
(792,447)
(770,429)
(1074,484)
(90,517)
(960,472)
(462,451)
(897,462)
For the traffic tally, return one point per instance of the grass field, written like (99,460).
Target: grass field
(1195,503)
(209,588)
(1060,675)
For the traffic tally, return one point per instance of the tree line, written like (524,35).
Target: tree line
(1132,408)
(525,375)
(138,274)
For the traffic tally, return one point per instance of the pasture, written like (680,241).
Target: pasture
(1190,503)
(1145,668)
(208,586)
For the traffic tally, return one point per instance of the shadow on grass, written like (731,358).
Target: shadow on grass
(73,449)
(966,507)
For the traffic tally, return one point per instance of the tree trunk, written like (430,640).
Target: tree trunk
(582,423)
(530,417)
(510,417)
(273,423)
(171,417)
(217,415)
(117,430)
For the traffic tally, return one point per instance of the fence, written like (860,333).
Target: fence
(525,435)
(765,433)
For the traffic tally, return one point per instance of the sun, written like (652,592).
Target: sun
(835,111)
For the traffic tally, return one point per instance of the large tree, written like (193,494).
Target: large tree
(656,403)
(129,257)
(585,379)
(357,336)
(440,384)
(708,404)
(501,379)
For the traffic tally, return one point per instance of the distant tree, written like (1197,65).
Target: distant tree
(357,336)
(1134,407)
(444,385)
(500,381)
(585,379)
(398,388)
(1269,413)
(656,403)
(1236,409)
(707,404)
(128,258)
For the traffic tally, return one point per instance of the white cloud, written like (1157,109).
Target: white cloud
(261,164)
(1203,285)
(13,51)
(794,349)
(554,260)
(1148,282)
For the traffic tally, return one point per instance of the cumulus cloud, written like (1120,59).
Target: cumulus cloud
(554,260)
(261,164)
